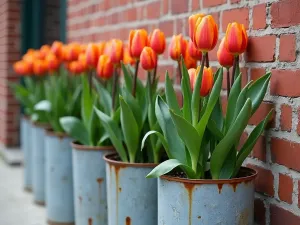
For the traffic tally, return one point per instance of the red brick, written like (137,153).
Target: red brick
(285,83)
(243,139)
(260,149)
(265,180)
(259,16)
(286,117)
(298,125)
(285,188)
(195,5)
(244,77)
(259,212)
(287,49)
(235,1)
(235,15)
(285,153)
(164,6)
(256,73)
(261,49)
(178,7)
(285,13)
(299,193)
(261,113)
(167,27)
(210,3)
(280,216)
(153,11)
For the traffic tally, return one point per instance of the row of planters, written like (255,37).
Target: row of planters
(96,137)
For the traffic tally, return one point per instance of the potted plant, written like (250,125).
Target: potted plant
(132,199)
(203,181)
(90,140)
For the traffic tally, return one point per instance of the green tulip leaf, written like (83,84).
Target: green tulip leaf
(171,95)
(104,97)
(186,92)
(43,105)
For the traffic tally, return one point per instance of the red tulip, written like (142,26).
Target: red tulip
(157,41)
(105,67)
(207,80)
(116,53)
(148,59)
(177,47)
(193,52)
(224,57)
(236,38)
(138,39)
(92,55)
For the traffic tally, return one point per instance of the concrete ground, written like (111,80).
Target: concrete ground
(16,205)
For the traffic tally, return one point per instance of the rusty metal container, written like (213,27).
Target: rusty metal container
(131,197)
(59,179)
(38,162)
(90,184)
(25,130)
(202,202)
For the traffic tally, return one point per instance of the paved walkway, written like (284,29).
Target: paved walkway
(16,205)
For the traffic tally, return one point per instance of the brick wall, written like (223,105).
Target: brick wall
(274,30)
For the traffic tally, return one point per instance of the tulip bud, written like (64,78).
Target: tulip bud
(148,59)
(101,48)
(72,52)
(206,34)
(39,67)
(92,55)
(116,53)
(82,59)
(138,39)
(189,61)
(75,67)
(45,49)
(193,52)
(22,68)
(127,59)
(207,80)
(224,57)
(57,49)
(192,23)
(52,62)
(105,67)
(177,47)
(157,41)
(236,38)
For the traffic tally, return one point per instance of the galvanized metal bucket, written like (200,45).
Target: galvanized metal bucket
(59,179)
(38,162)
(131,197)
(26,149)
(201,202)
(90,184)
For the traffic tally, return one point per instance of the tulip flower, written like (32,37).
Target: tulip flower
(52,62)
(224,57)
(189,61)
(177,47)
(76,67)
(236,38)
(57,49)
(101,48)
(72,52)
(116,53)
(157,41)
(138,39)
(82,59)
(193,52)
(127,59)
(92,55)
(39,67)
(207,80)
(205,35)
(44,50)
(105,67)
(192,23)
(148,59)
(22,68)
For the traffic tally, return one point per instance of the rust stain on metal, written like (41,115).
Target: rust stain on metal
(128,220)
(244,217)
(220,188)
(120,189)
(117,171)
(190,187)
(100,180)
(199,217)
(80,200)
(234,185)
(90,221)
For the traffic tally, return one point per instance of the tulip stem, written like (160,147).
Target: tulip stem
(114,88)
(228,82)
(207,60)
(154,75)
(90,80)
(235,64)
(180,76)
(135,77)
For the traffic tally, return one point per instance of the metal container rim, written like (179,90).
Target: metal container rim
(75,145)
(51,132)
(41,125)
(107,157)
(252,174)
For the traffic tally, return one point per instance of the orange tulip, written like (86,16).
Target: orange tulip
(207,80)
(22,68)
(52,62)
(92,55)
(224,57)
(189,61)
(127,59)
(29,58)
(39,67)
(192,23)
(45,49)
(148,59)
(205,35)
(76,67)
(101,48)
(116,52)
(83,60)
(105,67)
(57,49)
(157,41)
(236,38)
(177,47)
(138,39)
(72,52)
(193,52)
